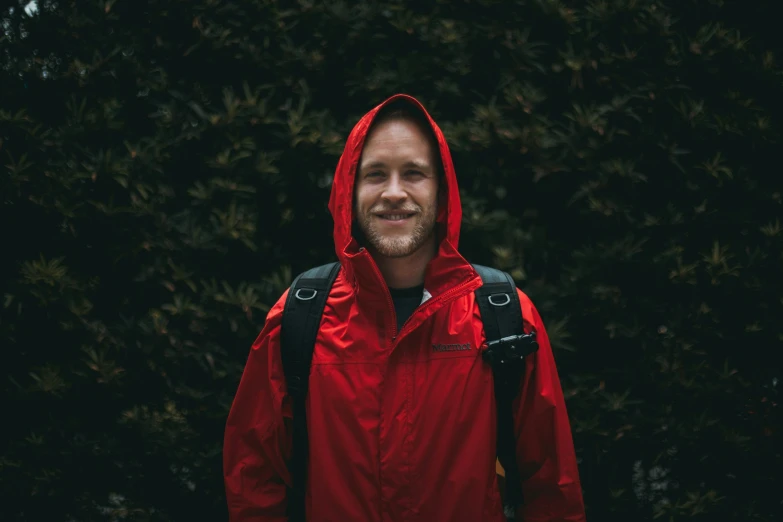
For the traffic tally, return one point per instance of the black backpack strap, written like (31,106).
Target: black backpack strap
(304,307)
(507,346)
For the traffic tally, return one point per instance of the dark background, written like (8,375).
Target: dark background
(165,171)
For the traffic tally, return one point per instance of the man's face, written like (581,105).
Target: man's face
(397,189)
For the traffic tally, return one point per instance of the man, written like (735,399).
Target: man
(399,428)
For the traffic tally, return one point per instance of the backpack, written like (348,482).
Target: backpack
(507,346)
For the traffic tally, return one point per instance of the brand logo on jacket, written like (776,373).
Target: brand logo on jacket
(451,347)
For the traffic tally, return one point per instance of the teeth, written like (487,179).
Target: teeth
(395,217)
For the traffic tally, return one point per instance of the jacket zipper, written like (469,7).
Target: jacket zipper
(442,297)
(389,302)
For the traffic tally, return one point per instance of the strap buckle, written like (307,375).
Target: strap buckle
(503,353)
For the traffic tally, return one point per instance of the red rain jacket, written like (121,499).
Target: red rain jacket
(398,431)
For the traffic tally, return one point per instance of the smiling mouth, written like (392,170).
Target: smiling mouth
(395,217)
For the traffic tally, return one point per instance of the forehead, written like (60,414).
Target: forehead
(397,138)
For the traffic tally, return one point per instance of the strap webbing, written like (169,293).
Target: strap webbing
(502,317)
(301,320)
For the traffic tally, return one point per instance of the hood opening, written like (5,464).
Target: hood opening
(401,109)
(347,235)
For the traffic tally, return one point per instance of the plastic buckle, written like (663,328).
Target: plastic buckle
(503,353)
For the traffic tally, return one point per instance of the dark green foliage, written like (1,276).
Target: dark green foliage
(166,167)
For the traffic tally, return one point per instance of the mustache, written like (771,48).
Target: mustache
(406,209)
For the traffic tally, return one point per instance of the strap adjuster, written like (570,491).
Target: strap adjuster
(502,353)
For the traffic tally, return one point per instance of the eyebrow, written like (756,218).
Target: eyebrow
(409,164)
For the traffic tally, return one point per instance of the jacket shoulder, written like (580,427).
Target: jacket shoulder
(530,313)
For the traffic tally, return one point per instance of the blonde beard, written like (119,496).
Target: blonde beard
(396,247)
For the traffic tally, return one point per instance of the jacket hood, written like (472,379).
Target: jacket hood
(341,204)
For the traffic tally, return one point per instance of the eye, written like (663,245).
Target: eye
(414,173)
(373,174)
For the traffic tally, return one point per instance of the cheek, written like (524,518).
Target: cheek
(432,196)
(362,198)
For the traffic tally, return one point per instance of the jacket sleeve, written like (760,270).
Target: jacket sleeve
(551,489)
(257,439)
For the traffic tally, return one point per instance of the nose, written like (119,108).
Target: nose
(394,192)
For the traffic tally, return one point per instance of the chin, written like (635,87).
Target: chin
(394,251)
(397,248)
